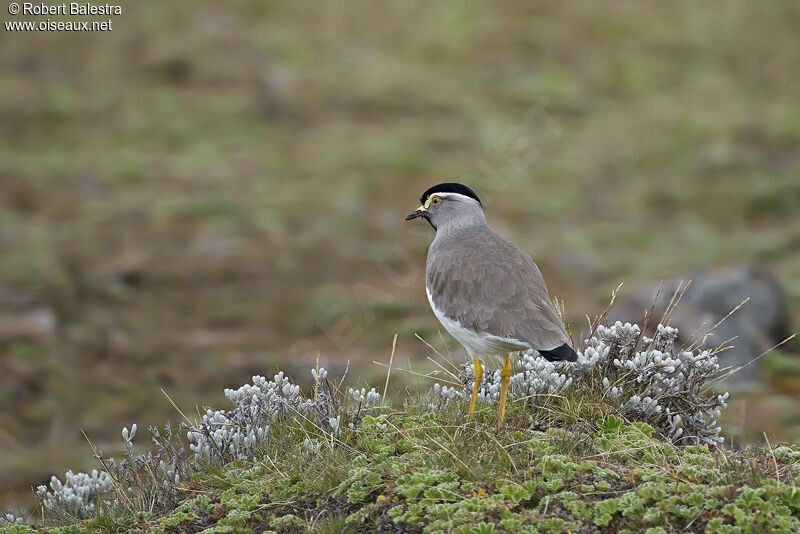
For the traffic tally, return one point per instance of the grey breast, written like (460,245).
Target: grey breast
(488,284)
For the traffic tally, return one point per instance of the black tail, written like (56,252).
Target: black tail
(562,353)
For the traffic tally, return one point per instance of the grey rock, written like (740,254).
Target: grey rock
(760,323)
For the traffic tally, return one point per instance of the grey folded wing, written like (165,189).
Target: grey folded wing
(490,285)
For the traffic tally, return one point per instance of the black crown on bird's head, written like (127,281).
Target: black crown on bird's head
(450,187)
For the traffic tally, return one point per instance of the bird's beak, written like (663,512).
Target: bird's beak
(421,211)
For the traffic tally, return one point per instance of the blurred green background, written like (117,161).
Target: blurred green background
(214,190)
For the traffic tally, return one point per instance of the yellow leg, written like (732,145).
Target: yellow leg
(505,378)
(477,375)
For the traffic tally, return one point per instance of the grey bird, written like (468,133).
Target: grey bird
(487,293)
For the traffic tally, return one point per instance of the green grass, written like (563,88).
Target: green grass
(421,471)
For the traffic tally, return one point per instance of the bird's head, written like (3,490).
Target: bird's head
(449,205)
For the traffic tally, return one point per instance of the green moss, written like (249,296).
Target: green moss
(177,519)
(17,529)
(404,475)
(421,471)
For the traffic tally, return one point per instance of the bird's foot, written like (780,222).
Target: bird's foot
(505,378)
(477,375)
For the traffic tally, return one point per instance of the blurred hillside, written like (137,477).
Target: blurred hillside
(211,190)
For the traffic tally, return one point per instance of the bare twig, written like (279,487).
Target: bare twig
(176,407)
(729,373)
(389,370)
(428,376)
(593,327)
(442,356)
(705,336)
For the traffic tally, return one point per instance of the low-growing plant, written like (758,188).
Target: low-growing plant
(622,372)
(586,447)
(10,519)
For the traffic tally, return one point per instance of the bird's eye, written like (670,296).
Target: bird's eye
(435,201)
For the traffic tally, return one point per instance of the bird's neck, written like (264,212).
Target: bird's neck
(474,221)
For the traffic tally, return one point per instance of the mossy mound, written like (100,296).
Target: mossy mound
(416,471)
(623,440)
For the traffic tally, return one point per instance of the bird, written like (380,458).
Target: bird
(484,290)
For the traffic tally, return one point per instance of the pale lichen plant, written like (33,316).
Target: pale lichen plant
(76,496)
(642,379)
(10,519)
(240,434)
